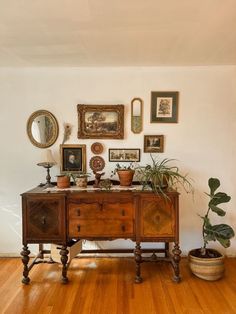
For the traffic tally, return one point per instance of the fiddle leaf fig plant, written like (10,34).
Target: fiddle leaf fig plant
(221,232)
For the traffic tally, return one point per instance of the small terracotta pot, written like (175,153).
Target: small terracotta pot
(63,182)
(125,177)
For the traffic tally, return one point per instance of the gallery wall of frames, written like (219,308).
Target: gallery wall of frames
(104,124)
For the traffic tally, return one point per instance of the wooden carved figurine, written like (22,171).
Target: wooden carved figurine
(97,178)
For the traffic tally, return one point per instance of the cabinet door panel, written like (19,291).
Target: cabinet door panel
(158,218)
(44,219)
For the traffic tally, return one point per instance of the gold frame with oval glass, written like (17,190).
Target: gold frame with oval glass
(54,129)
(136,115)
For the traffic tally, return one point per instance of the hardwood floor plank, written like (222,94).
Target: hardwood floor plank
(106,286)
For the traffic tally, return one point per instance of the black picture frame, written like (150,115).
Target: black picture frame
(124,154)
(164,107)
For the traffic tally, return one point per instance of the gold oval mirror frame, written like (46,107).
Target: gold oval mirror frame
(42,128)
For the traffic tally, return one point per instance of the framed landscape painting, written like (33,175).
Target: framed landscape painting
(101,121)
(164,107)
(153,143)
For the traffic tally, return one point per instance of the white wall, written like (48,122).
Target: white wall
(203,141)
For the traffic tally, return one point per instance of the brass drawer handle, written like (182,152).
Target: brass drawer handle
(78,212)
(123,228)
(78,227)
(123,212)
(43,221)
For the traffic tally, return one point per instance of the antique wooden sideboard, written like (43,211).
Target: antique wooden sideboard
(60,216)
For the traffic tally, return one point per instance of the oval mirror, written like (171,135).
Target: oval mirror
(42,128)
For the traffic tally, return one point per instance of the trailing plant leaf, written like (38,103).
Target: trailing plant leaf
(213,184)
(160,174)
(217,210)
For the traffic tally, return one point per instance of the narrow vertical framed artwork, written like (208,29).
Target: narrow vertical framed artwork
(136,115)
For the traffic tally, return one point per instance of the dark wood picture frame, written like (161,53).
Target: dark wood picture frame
(124,154)
(78,162)
(164,107)
(153,143)
(101,121)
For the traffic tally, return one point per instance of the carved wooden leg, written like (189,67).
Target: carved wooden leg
(41,256)
(25,260)
(166,249)
(176,259)
(64,258)
(138,261)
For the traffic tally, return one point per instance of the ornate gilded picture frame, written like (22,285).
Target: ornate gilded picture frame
(73,158)
(164,107)
(101,121)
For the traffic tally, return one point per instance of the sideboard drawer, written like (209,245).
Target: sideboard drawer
(84,228)
(106,210)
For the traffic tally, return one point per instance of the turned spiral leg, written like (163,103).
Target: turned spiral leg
(176,260)
(25,260)
(138,261)
(64,258)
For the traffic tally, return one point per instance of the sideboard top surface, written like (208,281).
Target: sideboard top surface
(41,190)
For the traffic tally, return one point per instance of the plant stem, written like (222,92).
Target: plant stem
(203,227)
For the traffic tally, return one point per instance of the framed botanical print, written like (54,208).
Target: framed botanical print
(164,107)
(153,143)
(73,158)
(101,121)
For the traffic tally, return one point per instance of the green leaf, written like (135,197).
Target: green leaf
(217,210)
(219,198)
(222,233)
(224,242)
(210,237)
(213,184)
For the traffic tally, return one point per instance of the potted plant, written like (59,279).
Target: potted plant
(160,175)
(204,262)
(63,181)
(81,179)
(125,174)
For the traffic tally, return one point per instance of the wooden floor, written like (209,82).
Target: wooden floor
(103,285)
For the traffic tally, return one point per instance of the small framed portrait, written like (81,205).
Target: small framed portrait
(101,121)
(73,158)
(153,143)
(124,154)
(164,107)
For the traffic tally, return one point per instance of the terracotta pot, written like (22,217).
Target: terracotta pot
(63,182)
(125,177)
(206,268)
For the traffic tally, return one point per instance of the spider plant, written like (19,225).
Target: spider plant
(160,175)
